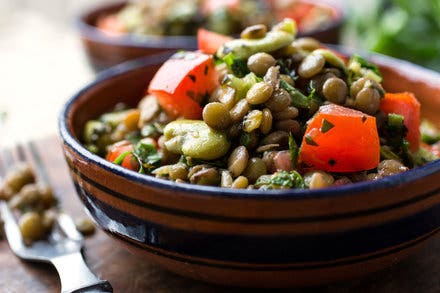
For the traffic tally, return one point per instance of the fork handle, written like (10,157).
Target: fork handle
(76,277)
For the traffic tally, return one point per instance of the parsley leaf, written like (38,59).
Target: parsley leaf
(121,157)
(281,179)
(147,156)
(430,133)
(237,66)
(394,133)
(365,64)
(299,100)
(293,150)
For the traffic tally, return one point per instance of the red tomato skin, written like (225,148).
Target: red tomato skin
(209,42)
(351,145)
(407,105)
(183,82)
(129,161)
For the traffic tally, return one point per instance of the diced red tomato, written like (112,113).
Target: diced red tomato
(111,25)
(209,42)
(183,82)
(407,105)
(118,149)
(339,139)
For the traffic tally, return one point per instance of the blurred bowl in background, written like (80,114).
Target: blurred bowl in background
(319,19)
(104,50)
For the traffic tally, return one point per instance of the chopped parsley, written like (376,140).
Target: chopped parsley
(293,150)
(299,100)
(281,179)
(147,156)
(236,65)
(394,132)
(326,126)
(309,140)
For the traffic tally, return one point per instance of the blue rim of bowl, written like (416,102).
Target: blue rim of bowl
(178,42)
(344,190)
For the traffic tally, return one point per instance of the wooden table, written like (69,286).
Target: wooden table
(128,273)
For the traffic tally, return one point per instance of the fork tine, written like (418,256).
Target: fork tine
(7,159)
(21,153)
(64,221)
(38,163)
(11,229)
(67,225)
(2,166)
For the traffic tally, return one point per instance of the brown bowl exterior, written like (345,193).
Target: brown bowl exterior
(104,51)
(248,237)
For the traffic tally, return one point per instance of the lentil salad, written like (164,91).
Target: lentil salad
(266,111)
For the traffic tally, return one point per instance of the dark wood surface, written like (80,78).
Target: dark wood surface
(129,273)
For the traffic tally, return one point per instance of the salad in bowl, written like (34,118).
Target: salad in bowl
(266,111)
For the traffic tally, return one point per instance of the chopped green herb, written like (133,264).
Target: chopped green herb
(365,64)
(332,162)
(359,67)
(387,154)
(236,65)
(299,100)
(315,99)
(326,126)
(394,132)
(430,133)
(121,157)
(310,140)
(147,156)
(281,179)
(133,137)
(241,85)
(92,148)
(192,77)
(283,67)
(423,156)
(294,150)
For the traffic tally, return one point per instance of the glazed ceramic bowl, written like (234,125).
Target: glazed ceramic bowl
(103,50)
(254,238)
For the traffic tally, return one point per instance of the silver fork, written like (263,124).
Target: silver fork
(62,249)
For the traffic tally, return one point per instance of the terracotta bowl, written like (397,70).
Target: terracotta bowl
(103,50)
(250,237)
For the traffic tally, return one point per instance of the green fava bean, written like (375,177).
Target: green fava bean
(196,139)
(244,48)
